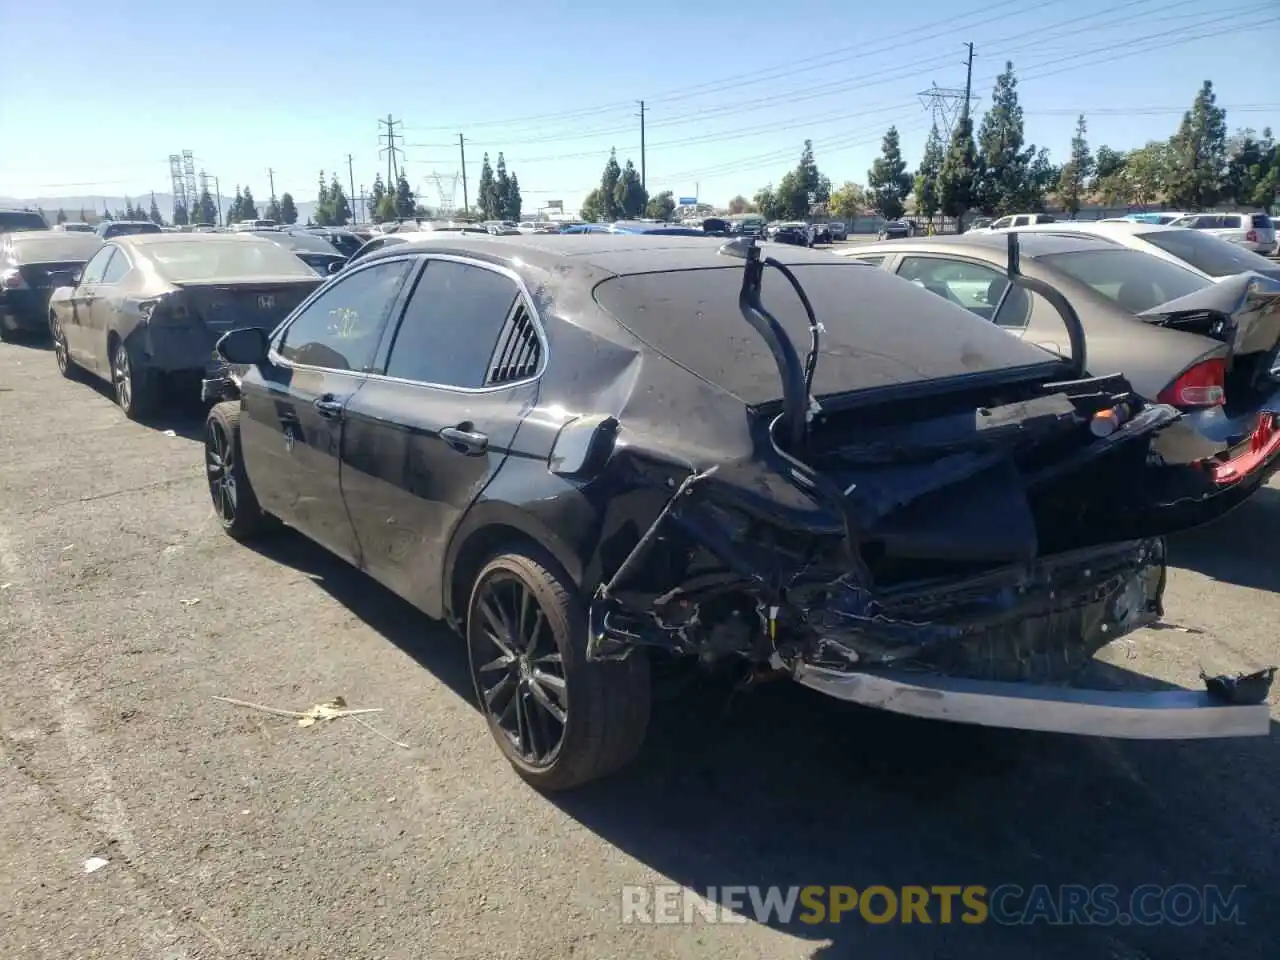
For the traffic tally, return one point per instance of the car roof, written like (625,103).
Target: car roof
(1032,243)
(157,239)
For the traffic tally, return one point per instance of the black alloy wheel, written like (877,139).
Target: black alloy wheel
(234,501)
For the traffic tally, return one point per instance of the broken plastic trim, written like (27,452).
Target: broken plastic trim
(795,384)
(1075,329)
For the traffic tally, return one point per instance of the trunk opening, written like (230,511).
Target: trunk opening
(220,307)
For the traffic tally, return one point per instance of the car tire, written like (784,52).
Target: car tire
(526,633)
(136,387)
(234,501)
(61,355)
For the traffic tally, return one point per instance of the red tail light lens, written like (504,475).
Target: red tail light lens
(1251,236)
(1203,385)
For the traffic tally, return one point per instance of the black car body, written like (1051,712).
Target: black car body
(32,265)
(147,309)
(110,229)
(587,451)
(895,230)
(345,241)
(17,221)
(797,234)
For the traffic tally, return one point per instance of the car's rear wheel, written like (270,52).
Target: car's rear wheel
(233,497)
(66,366)
(559,719)
(137,389)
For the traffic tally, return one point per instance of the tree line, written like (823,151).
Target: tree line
(622,196)
(998,172)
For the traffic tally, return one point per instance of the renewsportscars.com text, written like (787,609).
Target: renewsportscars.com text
(1007,904)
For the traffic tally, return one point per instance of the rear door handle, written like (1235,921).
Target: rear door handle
(465,441)
(329,406)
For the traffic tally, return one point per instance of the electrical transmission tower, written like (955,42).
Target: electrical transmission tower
(447,188)
(945,104)
(179,185)
(189,175)
(391,149)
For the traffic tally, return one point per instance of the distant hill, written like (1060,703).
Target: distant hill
(94,205)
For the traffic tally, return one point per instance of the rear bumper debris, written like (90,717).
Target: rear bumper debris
(1130,715)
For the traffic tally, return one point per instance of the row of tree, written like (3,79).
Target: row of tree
(998,173)
(622,196)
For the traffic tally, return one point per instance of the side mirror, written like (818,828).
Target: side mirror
(247,345)
(336,266)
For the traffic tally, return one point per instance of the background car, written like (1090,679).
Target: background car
(72,226)
(1253,231)
(148,308)
(838,230)
(32,265)
(1010,221)
(344,239)
(1140,314)
(110,229)
(315,251)
(794,232)
(12,221)
(1198,250)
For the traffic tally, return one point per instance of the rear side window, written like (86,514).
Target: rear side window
(451,325)
(1208,254)
(1134,281)
(116,270)
(340,329)
(1261,221)
(1231,222)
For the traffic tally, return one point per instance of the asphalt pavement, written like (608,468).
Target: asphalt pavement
(232,832)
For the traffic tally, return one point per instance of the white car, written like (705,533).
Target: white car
(1253,231)
(1204,253)
(1013,222)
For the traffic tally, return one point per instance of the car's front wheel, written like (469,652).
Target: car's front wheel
(559,719)
(233,497)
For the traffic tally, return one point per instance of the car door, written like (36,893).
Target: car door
(292,408)
(77,322)
(436,419)
(106,302)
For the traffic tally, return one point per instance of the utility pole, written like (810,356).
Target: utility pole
(968,82)
(462,150)
(271,178)
(351,179)
(391,149)
(642,180)
(217,189)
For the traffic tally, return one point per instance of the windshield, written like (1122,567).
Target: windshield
(1207,253)
(186,261)
(125,229)
(53,247)
(16,220)
(1133,280)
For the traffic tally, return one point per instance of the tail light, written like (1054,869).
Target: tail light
(11,279)
(1204,385)
(1251,236)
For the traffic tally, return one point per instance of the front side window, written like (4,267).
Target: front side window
(1002,223)
(451,325)
(339,330)
(97,265)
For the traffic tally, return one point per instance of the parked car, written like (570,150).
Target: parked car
(316,252)
(110,229)
(1198,250)
(1013,220)
(896,230)
(344,239)
(1253,231)
(657,229)
(1180,339)
(793,232)
(32,265)
(148,308)
(1164,217)
(72,226)
(927,517)
(15,221)
(838,230)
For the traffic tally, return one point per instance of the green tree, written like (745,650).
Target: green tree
(593,207)
(235,212)
(206,210)
(386,209)
(153,214)
(816,187)
(609,187)
(888,179)
(376,193)
(958,172)
(660,206)
(106,214)
(1146,170)
(248,209)
(339,206)
(926,182)
(322,215)
(1073,189)
(1247,163)
(1108,162)
(487,191)
(737,206)
(850,200)
(273,211)
(1267,175)
(1198,154)
(766,201)
(501,187)
(1004,183)
(180,213)
(61,216)
(630,196)
(404,198)
(288,209)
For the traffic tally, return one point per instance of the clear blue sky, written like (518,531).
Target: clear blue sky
(97,96)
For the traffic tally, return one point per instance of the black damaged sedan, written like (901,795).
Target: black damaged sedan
(589,452)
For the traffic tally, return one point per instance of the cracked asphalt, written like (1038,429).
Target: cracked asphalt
(230,832)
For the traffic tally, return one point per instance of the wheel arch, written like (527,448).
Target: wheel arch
(488,526)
